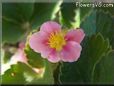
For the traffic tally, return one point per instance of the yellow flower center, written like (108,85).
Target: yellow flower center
(56,40)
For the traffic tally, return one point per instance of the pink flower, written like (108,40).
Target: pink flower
(19,56)
(55,44)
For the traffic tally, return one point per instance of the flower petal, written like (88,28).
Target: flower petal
(50,26)
(21,45)
(19,56)
(71,52)
(38,41)
(54,57)
(76,35)
(45,53)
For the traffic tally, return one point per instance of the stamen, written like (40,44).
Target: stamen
(56,40)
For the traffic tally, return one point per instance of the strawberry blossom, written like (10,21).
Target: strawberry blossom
(57,45)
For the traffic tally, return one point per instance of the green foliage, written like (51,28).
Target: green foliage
(34,58)
(47,76)
(89,24)
(6,57)
(11,32)
(21,73)
(109,9)
(20,12)
(94,48)
(15,17)
(15,75)
(104,71)
(20,18)
(43,12)
(95,23)
(105,26)
(84,12)
(67,14)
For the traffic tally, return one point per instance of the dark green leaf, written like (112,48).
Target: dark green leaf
(19,12)
(105,26)
(109,9)
(84,12)
(104,71)
(95,23)
(11,32)
(82,71)
(56,73)
(89,23)
(67,14)
(43,12)
(15,17)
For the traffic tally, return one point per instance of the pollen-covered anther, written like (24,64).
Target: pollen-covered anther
(56,40)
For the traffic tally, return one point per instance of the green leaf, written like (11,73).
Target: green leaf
(43,12)
(72,14)
(89,23)
(15,75)
(34,58)
(47,77)
(11,32)
(15,18)
(6,56)
(56,73)
(109,10)
(95,23)
(19,12)
(67,14)
(8,78)
(84,12)
(104,71)
(82,71)
(105,26)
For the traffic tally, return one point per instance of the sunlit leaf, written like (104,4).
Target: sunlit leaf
(15,75)
(47,78)
(68,13)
